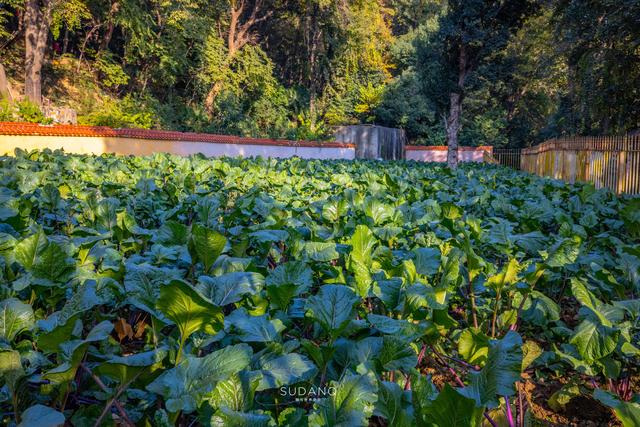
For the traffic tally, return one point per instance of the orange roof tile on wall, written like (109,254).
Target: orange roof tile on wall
(17,128)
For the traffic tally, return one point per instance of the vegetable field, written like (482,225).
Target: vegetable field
(237,292)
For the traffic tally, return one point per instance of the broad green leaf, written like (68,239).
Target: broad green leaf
(294,417)
(564,252)
(450,271)
(451,408)
(386,324)
(189,310)
(207,245)
(172,233)
(473,346)
(332,308)
(143,283)
(186,386)
(15,317)
(11,368)
(236,393)
(595,341)
(451,211)
(587,299)
(390,292)
(423,395)
(53,264)
(26,252)
(286,369)
(363,354)
(55,330)
(333,210)
(125,368)
(530,352)
(570,355)
(427,261)
(253,328)
(351,405)
(538,309)
(378,211)
(320,251)
(362,243)
(226,417)
(393,405)
(499,374)
(41,416)
(396,355)
(507,276)
(72,352)
(265,236)
(627,412)
(287,281)
(230,287)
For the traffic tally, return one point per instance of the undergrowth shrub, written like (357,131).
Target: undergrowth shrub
(126,113)
(6,111)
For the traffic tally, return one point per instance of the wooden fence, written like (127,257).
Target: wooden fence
(606,161)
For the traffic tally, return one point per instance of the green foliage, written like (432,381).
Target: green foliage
(126,113)
(6,111)
(627,412)
(296,69)
(369,98)
(209,290)
(112,74)
(27,111)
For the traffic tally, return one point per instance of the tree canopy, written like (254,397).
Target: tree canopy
(500,73)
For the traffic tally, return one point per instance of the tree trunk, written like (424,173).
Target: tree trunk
(312,40)
(37,20)
(5,87)
(455,110)
(453,126)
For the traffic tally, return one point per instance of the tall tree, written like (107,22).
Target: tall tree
(601,40)
(5,88)
(244,16)
(37,20)
(473,32)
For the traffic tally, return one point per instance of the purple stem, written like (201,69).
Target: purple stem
(509,414)
(493,423)
(462,362)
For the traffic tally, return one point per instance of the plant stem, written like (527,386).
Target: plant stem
(491,421)
(508,409)
(179,354)
(520,407)
(104,388)
(155,333)
(495,316)
(448,367)
(461,362)
(14,400)
(472,299)
(423,350)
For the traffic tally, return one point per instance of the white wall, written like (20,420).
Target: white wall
(132,146)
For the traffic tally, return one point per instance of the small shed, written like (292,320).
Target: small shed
(373,142)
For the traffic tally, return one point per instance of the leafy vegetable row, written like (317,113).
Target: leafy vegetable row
(168,290)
